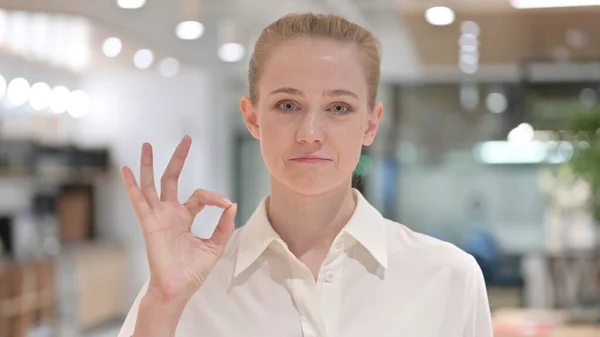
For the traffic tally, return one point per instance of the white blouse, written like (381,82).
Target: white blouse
(379,279)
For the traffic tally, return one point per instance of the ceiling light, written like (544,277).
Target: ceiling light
(131,4)
(58,49)
(112,47)
(467,41)
(77,40)
(143,58)
(79,104)
(469,58)
(40,96)
(468,68)
(189,30)
(470,27)
(532,152)
(40,33)
(523,4)
(439,16)
(231,52)
(521,134)
(18,32)
(496,102)
(59,99)
(18,91)
(169,67)
(79,57)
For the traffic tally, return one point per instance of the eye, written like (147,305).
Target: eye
(340,109)
(287,106)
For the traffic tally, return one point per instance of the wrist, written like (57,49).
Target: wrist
(159,298)
(158,315)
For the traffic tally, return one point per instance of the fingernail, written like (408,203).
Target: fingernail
(227,201)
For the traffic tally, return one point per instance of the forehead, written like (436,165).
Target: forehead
(314,65)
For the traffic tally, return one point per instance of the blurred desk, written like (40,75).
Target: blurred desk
(568,279)
(27,296)
(91,281)
(576,331)
(575,278)
(567,331)
(539,323)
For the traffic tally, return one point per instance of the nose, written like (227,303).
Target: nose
(312,127)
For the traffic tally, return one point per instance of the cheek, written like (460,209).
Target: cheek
(349,141)
(350,133)
(270,130)
(271,140)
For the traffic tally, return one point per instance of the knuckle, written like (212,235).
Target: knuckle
(165,179)
(174,174)
(200,195)
(199,192)
(149,185)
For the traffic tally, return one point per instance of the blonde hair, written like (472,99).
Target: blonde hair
(322,26)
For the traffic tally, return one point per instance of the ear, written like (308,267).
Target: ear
(373,125)
(250,117)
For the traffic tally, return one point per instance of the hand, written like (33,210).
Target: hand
(179,261)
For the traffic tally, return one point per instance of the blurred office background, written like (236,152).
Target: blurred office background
(489,141)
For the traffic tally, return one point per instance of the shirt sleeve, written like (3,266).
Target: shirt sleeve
(128,327)
(478,321)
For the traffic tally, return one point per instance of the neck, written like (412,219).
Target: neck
(308,223)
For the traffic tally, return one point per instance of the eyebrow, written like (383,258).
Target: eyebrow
(330,93)
(340,92)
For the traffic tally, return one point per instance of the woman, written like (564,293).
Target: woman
(315,259)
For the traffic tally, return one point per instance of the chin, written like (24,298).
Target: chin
(313,185)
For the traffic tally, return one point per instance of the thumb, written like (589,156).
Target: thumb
(225,227)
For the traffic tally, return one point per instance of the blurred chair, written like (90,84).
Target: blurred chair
(502,272)
(498,269)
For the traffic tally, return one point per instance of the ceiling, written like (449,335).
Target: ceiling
(153,26)
(508,36)
(413,49)
(418,6)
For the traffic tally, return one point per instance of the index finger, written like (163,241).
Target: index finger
(135,194)
(170,178)
(201,198)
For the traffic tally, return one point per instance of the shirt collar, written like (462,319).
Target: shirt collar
(255,236)
(366,226)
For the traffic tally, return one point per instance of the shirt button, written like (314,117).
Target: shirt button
(339,245)
(329,277)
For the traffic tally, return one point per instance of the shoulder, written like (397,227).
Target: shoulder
(406,246)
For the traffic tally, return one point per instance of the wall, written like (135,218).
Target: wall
(134,107)
(439,178)
(439,199)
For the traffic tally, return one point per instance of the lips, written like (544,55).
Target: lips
(310,159)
